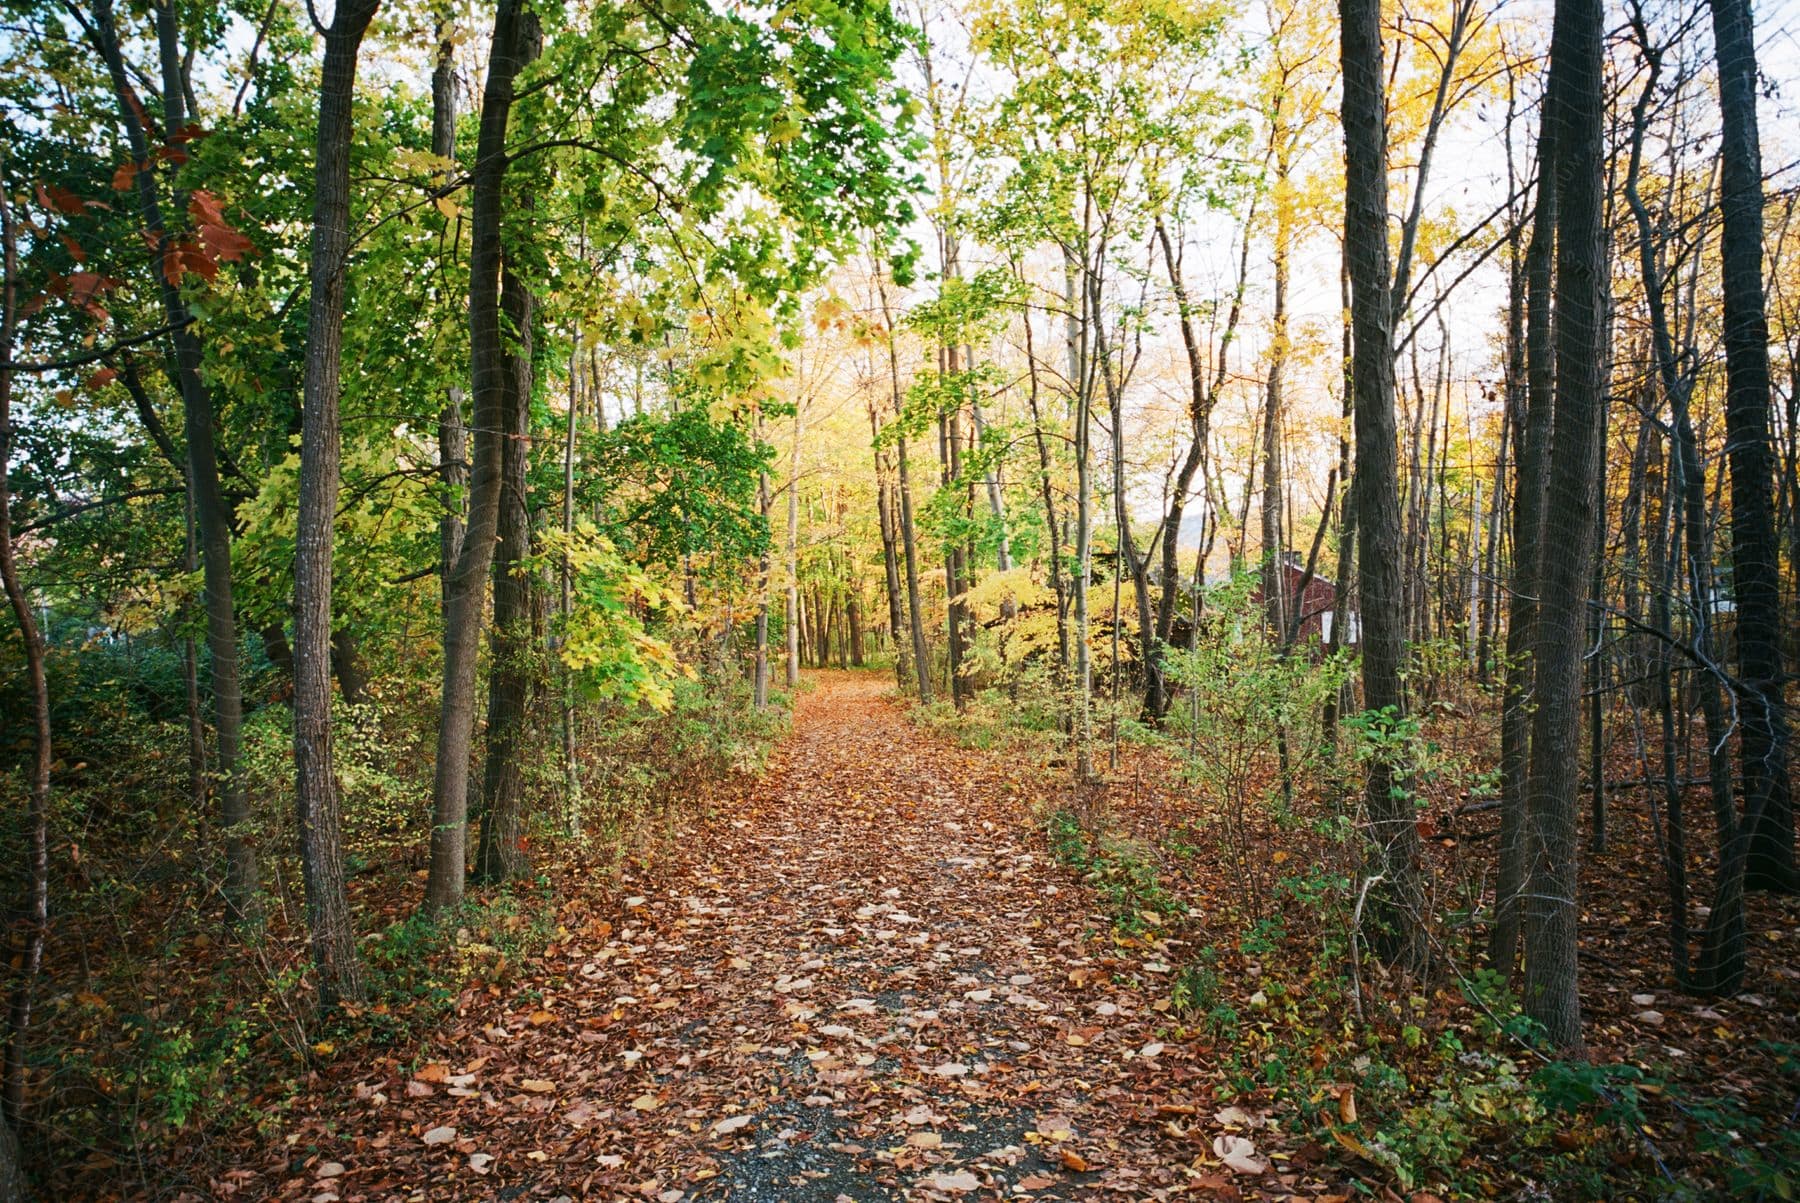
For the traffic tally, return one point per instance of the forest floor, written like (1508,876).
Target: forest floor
(863,977)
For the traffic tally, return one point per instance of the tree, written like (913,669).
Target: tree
(1396,917)
(316,794)
(1759,850)
(512,679)
(1552,911)
(465,591)
(1533,404)
(212,513)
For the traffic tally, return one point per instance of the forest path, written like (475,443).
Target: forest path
(863,980)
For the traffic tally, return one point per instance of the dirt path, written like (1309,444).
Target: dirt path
(865,981)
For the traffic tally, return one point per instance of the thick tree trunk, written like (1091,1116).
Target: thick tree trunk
(328,917)
(512,674)
(347,666)
(467,586)
(1552,909)
(1394,917)
(1533,412)
(1763,753)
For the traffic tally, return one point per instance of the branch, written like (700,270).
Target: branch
(82,507)
(82,360)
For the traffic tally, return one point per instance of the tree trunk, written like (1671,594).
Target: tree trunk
(1533,412)
(190,664)
(760,686)
(793,555)
(212,515)
(908,541)
(1129,560)
(1552,910)
(347,666)
(490,378)
(328,917)
(1768,814)
(453,436)
(950,472)
(566,581)
(1689,541)
(1274,545)
(1395,916)
(1343,596)
(1052,524)
(1083,384)
(1665,553)
(995,495)
(512,674)
(890,554)
(853,619)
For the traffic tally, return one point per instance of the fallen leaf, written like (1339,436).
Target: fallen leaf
(440,1136)
(1238,1154)
(731,1124)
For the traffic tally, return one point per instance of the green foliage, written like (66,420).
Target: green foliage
(1247,733)
(1123,872)
(678,485)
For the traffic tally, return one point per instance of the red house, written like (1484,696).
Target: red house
(1317,602)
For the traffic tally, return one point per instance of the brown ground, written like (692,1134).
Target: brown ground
(864,979)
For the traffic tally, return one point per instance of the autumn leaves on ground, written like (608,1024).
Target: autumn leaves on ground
(864,979)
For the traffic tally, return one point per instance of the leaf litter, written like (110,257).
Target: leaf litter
(865,978)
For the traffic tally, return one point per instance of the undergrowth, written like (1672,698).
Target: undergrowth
(163,1034)
(1234,827)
